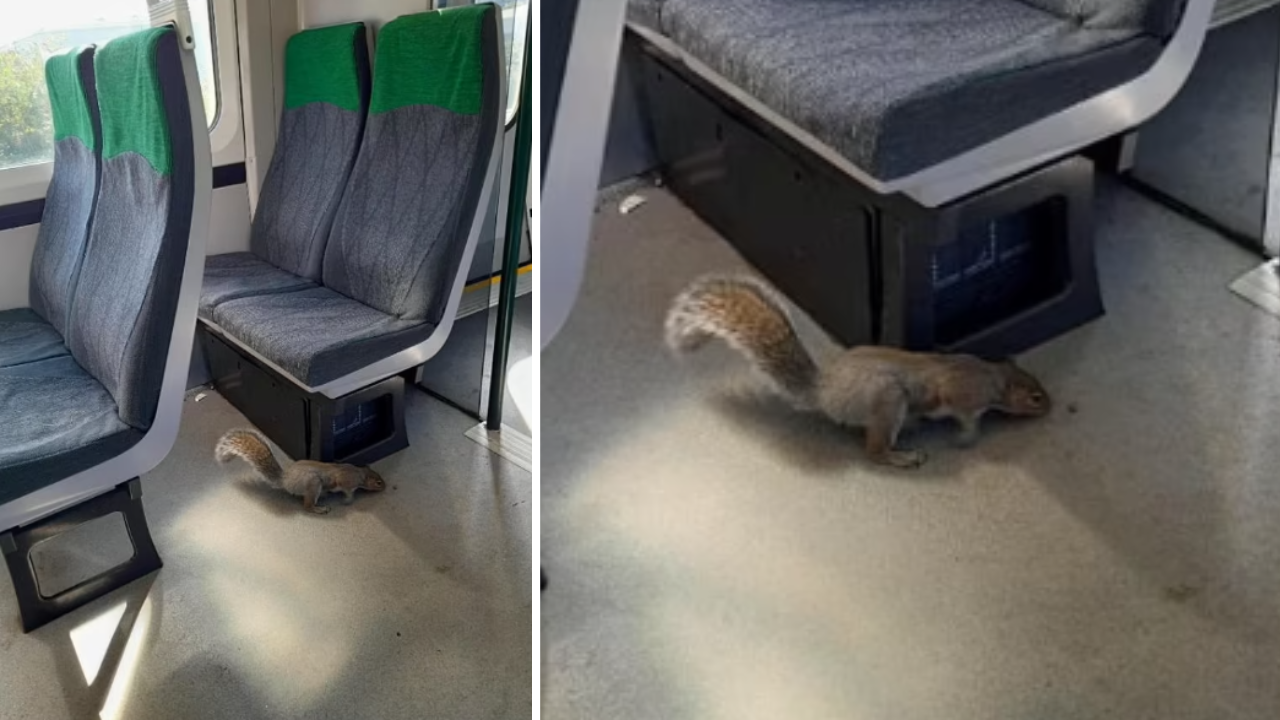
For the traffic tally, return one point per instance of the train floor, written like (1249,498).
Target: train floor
(712,554)
(411,603)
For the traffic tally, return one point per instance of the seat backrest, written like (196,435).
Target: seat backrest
(326,98)
(1154,17)
(73,191)
(401,230)
(125,302)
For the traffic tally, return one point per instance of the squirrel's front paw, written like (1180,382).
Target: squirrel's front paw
(319,509)
(903,458)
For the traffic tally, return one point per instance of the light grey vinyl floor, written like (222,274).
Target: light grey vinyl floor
(412,603)
(713,555)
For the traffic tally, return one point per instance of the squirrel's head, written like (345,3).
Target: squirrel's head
(1023,394)
(373,482)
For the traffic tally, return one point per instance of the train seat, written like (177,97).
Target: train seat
(409,219)
(325,106)
(79,428)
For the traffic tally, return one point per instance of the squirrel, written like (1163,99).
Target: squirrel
(879,389)
(307,479)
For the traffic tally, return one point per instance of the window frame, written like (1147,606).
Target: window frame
(517,78)
(226,137)
(24,183)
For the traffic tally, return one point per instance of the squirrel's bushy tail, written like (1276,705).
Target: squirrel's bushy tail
(252,447)
(751,318)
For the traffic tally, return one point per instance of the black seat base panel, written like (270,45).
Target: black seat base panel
(359,428)
(994,273)
(16,544)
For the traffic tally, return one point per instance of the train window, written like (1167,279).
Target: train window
(206,63)
(32,31)
(515,24)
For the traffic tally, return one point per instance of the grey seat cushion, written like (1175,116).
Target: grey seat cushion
(55,421)
(317,335)
(25,337)
(238,275)
(897,86)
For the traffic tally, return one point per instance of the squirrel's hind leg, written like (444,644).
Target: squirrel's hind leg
(888,414)
(311,496)
(969,429)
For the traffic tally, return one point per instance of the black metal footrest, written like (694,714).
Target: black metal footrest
(38,609)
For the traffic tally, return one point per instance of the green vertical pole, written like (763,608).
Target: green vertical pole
(515,233)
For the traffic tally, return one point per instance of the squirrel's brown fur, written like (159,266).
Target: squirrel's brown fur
(876,388)
(307,479)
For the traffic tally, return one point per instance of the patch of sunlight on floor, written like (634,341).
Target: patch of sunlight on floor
(262,591)
(92,639)
(755,618)
(715,533)
(122,683)
(731,675)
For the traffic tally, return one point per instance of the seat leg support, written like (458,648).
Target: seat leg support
(38,609)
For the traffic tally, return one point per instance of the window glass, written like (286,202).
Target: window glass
(206,67)
(32,31)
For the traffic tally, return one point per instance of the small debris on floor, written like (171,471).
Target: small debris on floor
(201,396)
(631,202)
(1181,593)
(397,634)
(1073,408)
